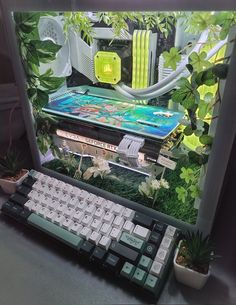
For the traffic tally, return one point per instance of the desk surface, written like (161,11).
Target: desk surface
(36,270)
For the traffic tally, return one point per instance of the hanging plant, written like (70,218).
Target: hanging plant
(34,52)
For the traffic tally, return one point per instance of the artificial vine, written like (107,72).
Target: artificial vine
(34,52)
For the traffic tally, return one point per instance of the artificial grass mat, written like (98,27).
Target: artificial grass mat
(124,182)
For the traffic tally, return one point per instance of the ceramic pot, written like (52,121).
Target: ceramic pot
(188,276)
(9,186)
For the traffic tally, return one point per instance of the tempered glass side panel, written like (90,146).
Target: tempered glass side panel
(144,141)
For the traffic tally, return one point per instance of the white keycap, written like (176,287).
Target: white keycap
(90,198)
(128,214)
(86,221)
(81,205)
(68,212)
(141,232)
(104,242)
(96,225)
(43,212)
(166,242)
(61,185)
(44,201)
(156,268)
(115,234)
(54,183)
(59,219)
(128,226)
(65,198)
(34,195)
(105,229)
(99,213)
(51,215)
(47,191)
(95,237)
(118,222)
(36,207)
(85,232)
(90,209)
(60,208)
(65,188)
(41,196)
(99,202)
(67,224)
(29,204)
(50,181)
(78,216)
(170,230)
(73,202)
(117,209)
(53,205)
(76,228)
(83,195)
(56,195)
(75,192)
(37,186)
(162,255)
(108,218)
(108,205)
(69,188)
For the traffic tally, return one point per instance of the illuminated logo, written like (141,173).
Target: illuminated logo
(107,69)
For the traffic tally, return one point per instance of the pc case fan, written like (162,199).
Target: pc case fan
(51,28)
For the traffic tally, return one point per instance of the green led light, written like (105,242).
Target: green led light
(107,67)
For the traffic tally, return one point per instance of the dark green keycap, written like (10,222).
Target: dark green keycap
(151,282)
(55,231)
(145,263)
(127,270)
(139,276)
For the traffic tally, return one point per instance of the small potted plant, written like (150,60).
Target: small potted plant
(11,172)
(192,260)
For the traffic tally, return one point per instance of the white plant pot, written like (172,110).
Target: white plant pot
(8,186)
(188,276)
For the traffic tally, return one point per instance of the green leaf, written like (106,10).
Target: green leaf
(26,22)
(220,70)
(171,58)
(182,193)
(186,95)
(203,109)
(37,97)
(44,143)
(206,139)
(208,97)
(46,50)
(194,191)
(32,55)
(198,61)
(188,130)
(51,83)
(187,174)
(206,77)
(190,68)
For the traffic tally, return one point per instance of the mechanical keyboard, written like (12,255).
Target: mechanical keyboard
(127,243)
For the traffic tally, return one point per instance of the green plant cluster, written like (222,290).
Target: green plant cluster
(10,164)
(35,52)
(197,251)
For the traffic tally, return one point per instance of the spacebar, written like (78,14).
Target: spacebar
(124,252)
(54,230)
